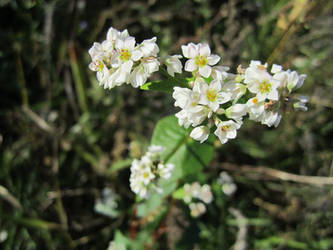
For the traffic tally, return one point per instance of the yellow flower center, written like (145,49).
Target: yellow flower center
(99,65)
(146,175)
(265,87)
(125,54)
(261,67)
(225,128)
(201,61)
(211,95)
(255,100)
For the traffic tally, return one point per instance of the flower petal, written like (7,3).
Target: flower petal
(190,65)
(204,49)
(205,71)
(213,59)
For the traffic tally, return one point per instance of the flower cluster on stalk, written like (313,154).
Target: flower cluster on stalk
(218,100)
(196,196)
(118,59)
(146,172)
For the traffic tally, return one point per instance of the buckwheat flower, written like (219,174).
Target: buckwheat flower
(126,53)
(235,89)
(226,130)
(220,73)
(260,82)
(255,108)
(165,170)
(200,133)
(149,48)
(147,176)
(206,194)
(295,80)
(182,96)
(173,64)
(271,118)
(96,51)
(227,184)
(200,58)
(113,34)
(197,209)
(212,96)
(183,118)
(236,111)
(195,189)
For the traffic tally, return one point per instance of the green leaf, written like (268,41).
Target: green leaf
(166,85)
(188,156)
(119,165)
(179,193)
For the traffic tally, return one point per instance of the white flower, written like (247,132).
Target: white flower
(226,130)
(236,111)
(295,81)
(235,89)
(200,133)
(229,188)
(212,96)
(220,73)
(197,209)
(200,58)
(206,194)
(195,189)
(126,52)
(165,170)
(182,96)
(113,34)
(227,183)
(255,108)
(260,82)
(271,118)
(173,64)
(149,48)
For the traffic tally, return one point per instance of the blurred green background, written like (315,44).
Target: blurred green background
(64,139)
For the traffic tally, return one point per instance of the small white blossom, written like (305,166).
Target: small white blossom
(197,209)
(200,58)
(226,130)
(255,108)
(271,118)
(173,64)
(200,133)
(260,82)
(212,96)
(236,111)
(227,184)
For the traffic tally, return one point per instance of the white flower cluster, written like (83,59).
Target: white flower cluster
(118,59)
(227,183)
(146,172)
(197,196)
(219,98)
